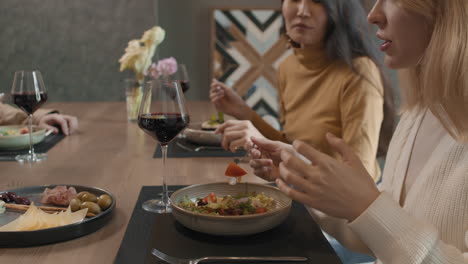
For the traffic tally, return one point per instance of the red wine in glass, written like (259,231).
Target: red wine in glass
(163,115)
(185,86)
(28,92)
(163,126)
(29,101)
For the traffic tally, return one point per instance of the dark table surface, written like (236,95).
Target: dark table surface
(299,235)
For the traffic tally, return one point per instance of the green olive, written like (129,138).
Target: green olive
(92,207)
(80,195)
(89,197)
(75,204)
(104,201)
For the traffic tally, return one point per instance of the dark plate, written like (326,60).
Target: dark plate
(56,234)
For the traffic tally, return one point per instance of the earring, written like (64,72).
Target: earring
(292,43)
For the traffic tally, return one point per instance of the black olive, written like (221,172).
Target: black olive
(12,196)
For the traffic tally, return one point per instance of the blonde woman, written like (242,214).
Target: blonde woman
(420,212)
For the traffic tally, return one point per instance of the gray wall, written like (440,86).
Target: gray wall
(75,44)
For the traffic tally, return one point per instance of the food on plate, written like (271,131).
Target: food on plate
(60,195)
(11,197)
(88,197)
(35,219)
(47,209)
(75,204)
(14,132)
(234,170)
(2,207)
(104,201)
(214,122)
(88,200)
(241,204)
(80,195)
(92,207)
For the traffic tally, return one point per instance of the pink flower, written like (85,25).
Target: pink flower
(152,71)
(167,66)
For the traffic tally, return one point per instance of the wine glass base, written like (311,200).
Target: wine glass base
(156,206)
(28,158)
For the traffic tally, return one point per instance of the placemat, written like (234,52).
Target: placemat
(181,148)
(299,235)
(42,147)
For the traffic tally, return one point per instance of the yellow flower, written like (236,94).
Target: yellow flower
(139,53)
(133,52)
(153,36)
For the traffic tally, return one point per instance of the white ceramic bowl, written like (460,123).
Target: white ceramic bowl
(230,225)
(20,141)
(195,134)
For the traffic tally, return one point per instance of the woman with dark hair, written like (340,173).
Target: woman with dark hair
(330,84)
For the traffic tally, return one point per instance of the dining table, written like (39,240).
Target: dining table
(114,154)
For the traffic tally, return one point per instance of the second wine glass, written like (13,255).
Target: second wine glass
(163,115)
(28,93)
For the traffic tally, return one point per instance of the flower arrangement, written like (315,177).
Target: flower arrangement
(139,53)
(164,68)
(137,58)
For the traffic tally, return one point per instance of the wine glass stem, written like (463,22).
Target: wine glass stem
(31,147)
(165,193)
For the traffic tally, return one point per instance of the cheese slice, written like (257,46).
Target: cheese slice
(35,219)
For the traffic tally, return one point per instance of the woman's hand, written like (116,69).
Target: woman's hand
(265,157)
(341,189)
(237,134)
(227,100)
(68,124)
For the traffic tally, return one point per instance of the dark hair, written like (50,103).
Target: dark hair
(348,36)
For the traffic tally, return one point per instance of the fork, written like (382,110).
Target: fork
(176,260)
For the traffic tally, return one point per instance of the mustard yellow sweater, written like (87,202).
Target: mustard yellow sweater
(317,96)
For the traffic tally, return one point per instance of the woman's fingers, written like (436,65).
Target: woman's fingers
(294,193)
(72,124)
(255,153)
(236,144)
(265,144)
(229,137)
(293,173)
(341,147)
(310,153)
(49,127)
(225,125)
(260,163)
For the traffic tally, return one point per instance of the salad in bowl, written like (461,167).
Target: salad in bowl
(17,137)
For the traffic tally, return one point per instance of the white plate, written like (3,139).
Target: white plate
(230,225)
(20,141)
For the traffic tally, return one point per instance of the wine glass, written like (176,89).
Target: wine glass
(28,93)
(163,116)
(181,75)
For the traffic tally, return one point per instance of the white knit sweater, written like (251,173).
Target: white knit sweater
(432,226)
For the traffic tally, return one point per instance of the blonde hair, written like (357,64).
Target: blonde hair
(440,81)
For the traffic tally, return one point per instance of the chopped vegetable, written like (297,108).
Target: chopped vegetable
(216,119)
(233,170)
(241,204)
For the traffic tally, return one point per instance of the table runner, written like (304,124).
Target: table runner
(42,147)
(299,235)
(179,148)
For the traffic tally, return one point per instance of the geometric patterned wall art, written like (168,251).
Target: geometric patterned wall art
(247,49)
